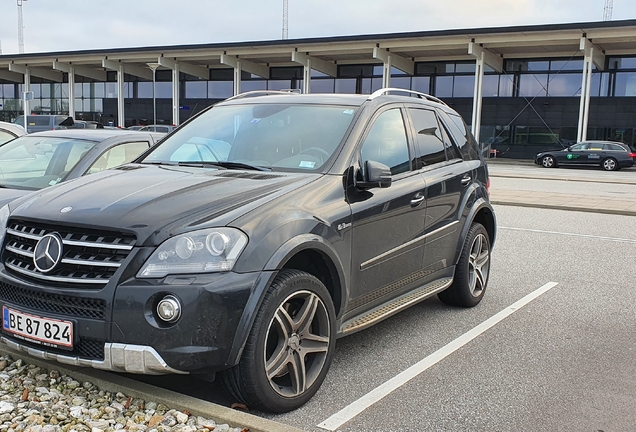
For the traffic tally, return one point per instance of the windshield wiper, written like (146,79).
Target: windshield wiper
(158,163)
(226,164)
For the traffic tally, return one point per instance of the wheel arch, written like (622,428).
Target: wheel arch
(483,213)
(307,252)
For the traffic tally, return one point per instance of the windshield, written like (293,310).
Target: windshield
(283,136)
(30,162)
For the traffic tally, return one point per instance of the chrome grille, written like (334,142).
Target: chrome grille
(89,257)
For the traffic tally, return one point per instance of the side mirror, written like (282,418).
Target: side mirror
(376,174)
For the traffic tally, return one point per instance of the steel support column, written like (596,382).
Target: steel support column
(483,57)
(71,92)
(594,56)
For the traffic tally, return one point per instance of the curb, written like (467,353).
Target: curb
(564,207)
(581,180)
(115,383)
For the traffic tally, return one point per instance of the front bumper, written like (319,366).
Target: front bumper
(116,328)
(117,358)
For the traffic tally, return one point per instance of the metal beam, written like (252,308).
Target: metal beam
(128,69)
(246,65)
(97,75)
(318,64)
(38,72)
(402,63)
(594,52)
(190,69)
(11,76)
(490,59)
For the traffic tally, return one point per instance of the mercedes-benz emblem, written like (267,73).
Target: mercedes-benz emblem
(66,209)
(48,252)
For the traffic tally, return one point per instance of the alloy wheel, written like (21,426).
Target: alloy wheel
(297,343)
(547,161)
(478,265)
(609,164)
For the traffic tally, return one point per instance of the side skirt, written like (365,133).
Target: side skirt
(394,306)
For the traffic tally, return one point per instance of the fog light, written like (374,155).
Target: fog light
(169,309)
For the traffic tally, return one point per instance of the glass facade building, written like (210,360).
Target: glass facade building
(532,104)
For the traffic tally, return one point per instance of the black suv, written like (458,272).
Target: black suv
(251,238)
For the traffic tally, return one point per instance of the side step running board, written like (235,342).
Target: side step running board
(388,309)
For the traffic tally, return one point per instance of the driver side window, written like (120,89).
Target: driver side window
(386,142)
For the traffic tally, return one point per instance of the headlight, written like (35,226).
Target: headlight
(205,251)
(4,216)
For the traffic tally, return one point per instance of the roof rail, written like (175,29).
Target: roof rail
(259,93)
(421,95)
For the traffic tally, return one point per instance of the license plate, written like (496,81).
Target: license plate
(45,331)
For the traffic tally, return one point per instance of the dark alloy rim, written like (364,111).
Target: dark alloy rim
(297,344)
(478,265)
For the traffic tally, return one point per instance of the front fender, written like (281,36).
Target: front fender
(276,262)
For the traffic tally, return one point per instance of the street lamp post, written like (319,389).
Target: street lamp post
(153,67)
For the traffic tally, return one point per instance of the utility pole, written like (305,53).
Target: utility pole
(285,19)
(607,11)
(20,28)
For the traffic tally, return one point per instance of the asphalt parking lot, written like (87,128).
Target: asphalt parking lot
(550,347)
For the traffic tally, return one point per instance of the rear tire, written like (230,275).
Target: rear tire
(472,271)
(609,164)
(290,347)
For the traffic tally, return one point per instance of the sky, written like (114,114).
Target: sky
(65,25)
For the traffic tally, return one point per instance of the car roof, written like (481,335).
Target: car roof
(13,128)
(86,134)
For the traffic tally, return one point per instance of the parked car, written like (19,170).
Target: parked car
(611,156)
(136,127)
(84,124)
(9,131)
(157,128)
(44,122)
(35,161)
(251,238)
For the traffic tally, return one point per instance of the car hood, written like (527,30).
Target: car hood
(156,202)
(7,195)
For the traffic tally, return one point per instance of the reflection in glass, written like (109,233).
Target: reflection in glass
(533,85)
(220,89)
(196,89)
(346,85)
(444,86)
(322,85)
(251,85)
(490,86)
(421,84)
(625,84)
(568,85)
(464,86)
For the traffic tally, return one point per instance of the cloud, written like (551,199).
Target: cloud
(63,25)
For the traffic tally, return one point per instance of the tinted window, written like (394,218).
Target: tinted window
(429,139)
(451,150)
(287,136)
(386,142)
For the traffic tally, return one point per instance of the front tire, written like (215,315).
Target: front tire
(548,162)
(472,271)
(290,347)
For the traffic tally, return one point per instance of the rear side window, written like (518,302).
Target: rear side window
(428,137)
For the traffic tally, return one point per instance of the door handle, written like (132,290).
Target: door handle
(417,199)
(466,180)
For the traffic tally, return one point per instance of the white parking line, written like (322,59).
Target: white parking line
(355,408)
(614,239)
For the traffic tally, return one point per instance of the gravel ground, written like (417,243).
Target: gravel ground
(33,399)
